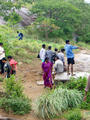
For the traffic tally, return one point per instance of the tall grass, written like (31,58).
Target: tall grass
(57,101)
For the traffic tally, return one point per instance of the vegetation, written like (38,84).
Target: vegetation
(14,99)
(63,19)
(55,102)
(73,115)
(79,84)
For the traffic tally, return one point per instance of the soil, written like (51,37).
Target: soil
(30,74)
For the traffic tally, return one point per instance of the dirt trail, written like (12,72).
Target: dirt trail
(30,74)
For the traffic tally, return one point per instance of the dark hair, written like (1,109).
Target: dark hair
(17,31)
(1,43)
(9,57)
(46,58)
(67,41)
(62,50)
(57,57)
(56,49)
(43,46)
(49,47)
(4,59)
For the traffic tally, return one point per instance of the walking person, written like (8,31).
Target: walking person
(47,73)
(2,55)
(13,65)
(70,56)
(42,53)
(20,35)
(7,68)
(49,54)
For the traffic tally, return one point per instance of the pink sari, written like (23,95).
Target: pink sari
(47,76)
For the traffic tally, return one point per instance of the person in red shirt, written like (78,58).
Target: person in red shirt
(13,65)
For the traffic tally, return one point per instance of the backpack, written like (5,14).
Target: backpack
(21,34)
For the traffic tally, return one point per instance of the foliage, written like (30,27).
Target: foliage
(74,115)
(12,87)
(14,99)
(13,18)
(18,105)
(86,104)
(77,83)
(55,102)
(71,17)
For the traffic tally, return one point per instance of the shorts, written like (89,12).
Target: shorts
(70,61)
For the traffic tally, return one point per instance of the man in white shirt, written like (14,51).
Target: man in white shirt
(58,67)
(43,52)
(2,55)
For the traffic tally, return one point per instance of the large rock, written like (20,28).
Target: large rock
(2,21)
(27,17)
(64,77)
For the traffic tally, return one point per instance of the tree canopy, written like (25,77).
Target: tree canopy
(72,17)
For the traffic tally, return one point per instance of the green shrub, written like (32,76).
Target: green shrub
(14,99)
(12,87)
(55,102)
(85,106)
(74,115)
(77,83)
(18,105)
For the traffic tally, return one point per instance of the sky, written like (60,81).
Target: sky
(87,1)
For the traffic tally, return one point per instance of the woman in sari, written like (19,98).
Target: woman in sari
(47,73)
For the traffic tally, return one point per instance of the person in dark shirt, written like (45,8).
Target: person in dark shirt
(20,35)
(49,54)
(7,68)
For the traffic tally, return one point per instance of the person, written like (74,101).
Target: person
(2,55)
(61,57)
(7,68)
(49,54)
(70,56)
(47,73)
(20,35)
(13,65)
(58,66)
(55,53)
(87,88)
(42,52)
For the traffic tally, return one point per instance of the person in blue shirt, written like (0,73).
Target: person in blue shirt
(20,35)
(70,56)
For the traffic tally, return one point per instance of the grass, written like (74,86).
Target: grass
(56,102)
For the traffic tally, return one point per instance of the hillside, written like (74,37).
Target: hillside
(48,22)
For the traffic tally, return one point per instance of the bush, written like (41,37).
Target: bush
(12,87)
(57,101)
(77,83)
(14,99)
(18,105)
(75,115)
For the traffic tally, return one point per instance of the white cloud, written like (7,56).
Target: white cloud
(87,1)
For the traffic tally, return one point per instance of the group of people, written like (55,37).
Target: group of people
(53,63)
(7,65)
